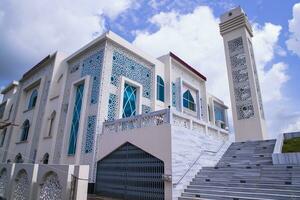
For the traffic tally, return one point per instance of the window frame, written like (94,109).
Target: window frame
(25,130)
(188,102)
(33,99)
(160,89)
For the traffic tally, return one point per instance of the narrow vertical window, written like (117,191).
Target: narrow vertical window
(75,119)
(3,137)
(52,118)
(219,114)
(188,101)
(46,159)
(160,89)
(129,101)
(33,99)
(25,130)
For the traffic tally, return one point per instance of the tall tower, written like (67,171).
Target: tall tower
(246,101)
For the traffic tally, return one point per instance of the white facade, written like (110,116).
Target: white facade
(68,99)
(246,100)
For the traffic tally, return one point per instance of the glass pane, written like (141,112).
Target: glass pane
(129,101)
(75,119)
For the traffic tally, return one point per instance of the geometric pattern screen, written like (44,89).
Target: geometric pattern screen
(51,188)
(90,133)
(174,94)
(93,66)
(124,66)
(240,78)
(256,81)
(112,106)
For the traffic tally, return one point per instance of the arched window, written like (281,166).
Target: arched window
(52,118)
(33,98)
(160,89)
(18,158)
(25,130)
(46,158)
(188,101)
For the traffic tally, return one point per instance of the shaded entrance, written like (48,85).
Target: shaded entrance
(130,173)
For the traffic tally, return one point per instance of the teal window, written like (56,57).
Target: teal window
(25,130)
(160,89)
(188,101)
(219,114)
(129,101)
(75,119)
(32,100)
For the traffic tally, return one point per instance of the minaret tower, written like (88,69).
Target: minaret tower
(246,101)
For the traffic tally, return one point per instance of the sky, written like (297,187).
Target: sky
(32,29)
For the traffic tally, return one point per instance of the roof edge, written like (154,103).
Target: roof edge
(189,67)
(9,87)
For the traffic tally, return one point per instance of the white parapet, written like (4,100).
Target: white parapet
(34,181)
(280,158)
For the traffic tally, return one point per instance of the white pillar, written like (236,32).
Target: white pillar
(247,108)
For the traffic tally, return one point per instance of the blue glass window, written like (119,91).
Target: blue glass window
(160,89)
(129,101)
(188,101)
(219,114)
(75,120)
(33,98)
(25,130)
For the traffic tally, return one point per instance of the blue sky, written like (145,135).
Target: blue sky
(31,30)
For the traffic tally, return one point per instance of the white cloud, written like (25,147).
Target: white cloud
(195,37)
(265,47)
(293,43)
(32,29)
(292,127)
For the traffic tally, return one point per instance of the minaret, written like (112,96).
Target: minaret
(246,101)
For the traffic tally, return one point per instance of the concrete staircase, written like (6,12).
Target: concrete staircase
(246,172)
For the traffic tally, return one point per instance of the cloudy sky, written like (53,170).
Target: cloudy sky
(31,29)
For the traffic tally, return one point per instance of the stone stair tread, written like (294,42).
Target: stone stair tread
(245,193)
(246,171)
(246,188)
(225,196)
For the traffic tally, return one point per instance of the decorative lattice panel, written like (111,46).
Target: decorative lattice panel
(51,188)
(124,66)
(242,91)
(112,107)
(90,134)
(3,182)
(146,109)
(92,66)
(130,173)
(256,80)
(21,188)
(174,91)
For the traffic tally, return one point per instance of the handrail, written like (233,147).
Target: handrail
(200,154)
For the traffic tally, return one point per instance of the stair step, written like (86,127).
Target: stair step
(254,181)
(244,172)
(241,193)
(194,196)
(247,189)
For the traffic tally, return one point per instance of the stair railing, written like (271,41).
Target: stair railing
(196,160)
